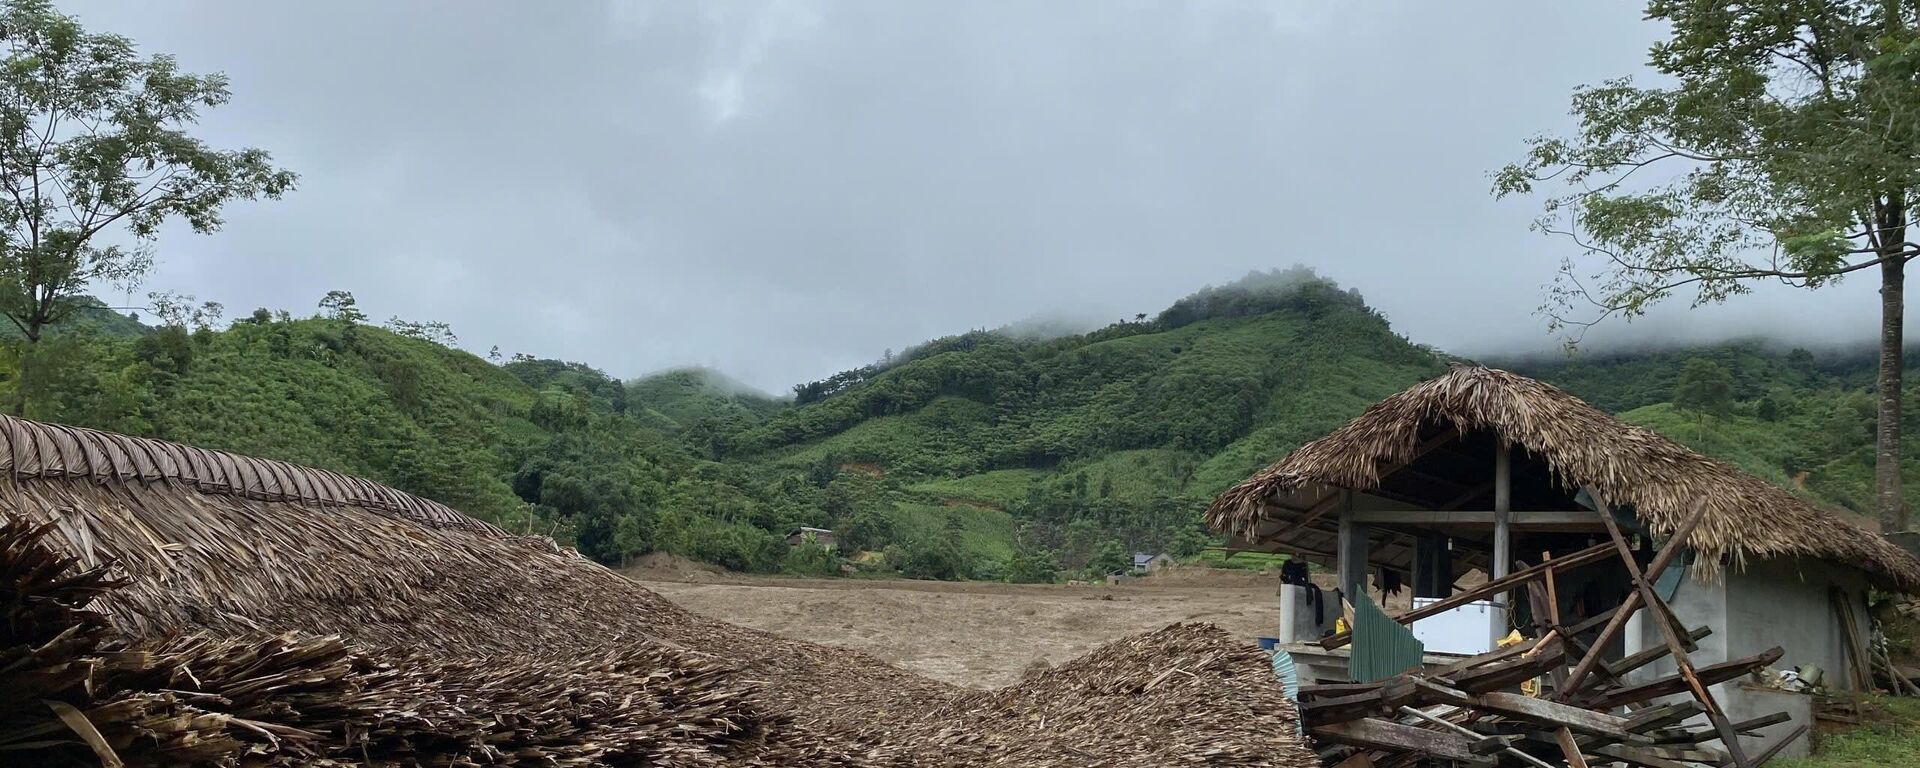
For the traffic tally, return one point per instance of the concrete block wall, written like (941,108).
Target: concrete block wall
(1781,602)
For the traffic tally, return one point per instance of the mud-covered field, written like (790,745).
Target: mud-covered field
(976,634)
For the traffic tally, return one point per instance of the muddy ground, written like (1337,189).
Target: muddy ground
(969,633)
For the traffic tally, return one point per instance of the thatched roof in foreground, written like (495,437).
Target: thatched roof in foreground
(195,603)
(1661,480)
(31,449)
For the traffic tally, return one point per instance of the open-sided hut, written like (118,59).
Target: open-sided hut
(1484,469)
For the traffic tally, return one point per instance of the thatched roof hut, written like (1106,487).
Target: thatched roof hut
(1408,447)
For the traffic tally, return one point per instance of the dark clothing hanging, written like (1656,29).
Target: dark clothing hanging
(1391,581)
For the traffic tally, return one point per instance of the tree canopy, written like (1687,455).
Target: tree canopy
(94,139)
(1780,142)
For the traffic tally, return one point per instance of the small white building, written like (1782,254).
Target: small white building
(819,537)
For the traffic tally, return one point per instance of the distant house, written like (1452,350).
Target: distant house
(820,536)
(1144,562)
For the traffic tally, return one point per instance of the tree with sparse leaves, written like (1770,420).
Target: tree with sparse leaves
(1781,145)
(340,305)
(1705,388)
(93,141)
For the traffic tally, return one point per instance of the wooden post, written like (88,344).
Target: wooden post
(1352,564)
(1502,535)
(1432,566)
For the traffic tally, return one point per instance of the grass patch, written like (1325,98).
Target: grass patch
(1245,561)
(984,534)
(999,488)
(1889,741)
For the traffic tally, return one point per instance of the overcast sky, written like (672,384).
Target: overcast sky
(782,190)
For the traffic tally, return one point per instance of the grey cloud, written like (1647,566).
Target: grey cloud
(781,190)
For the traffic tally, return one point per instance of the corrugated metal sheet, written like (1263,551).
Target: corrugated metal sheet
(1382,647)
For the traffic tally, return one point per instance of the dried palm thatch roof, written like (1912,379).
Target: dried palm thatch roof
(194,605)
(1661,480)
(36,449)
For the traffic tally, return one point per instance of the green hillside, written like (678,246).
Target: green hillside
(984,455)
(685,396)
(1127,430)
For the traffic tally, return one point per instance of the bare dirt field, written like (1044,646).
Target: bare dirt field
(970,633)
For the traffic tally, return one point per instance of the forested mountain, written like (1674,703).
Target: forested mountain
(985,455)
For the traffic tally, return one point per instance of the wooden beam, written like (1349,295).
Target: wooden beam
(1486,745)
(1857,654)
(1507,674)
(1626,610)
(1391,694)
(1687,679)
(1525,519)
(1639,758)
(1450,483)
(1791,737)
(1619,669)
(1564,737)
(1375,733)
(1432,566)
(1591,554)
(1468,495)
(1445,438)
(1697,735)
(1538,711)
(1663,715)
(1318,510)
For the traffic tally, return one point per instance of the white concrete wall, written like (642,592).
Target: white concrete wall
(1296,616)
(1784,602)
(1695,604)
(1779,602)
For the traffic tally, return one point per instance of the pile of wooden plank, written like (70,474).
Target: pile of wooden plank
(1587,712)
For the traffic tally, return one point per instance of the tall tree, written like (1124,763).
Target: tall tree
(1705,388)
(1782,143)
(93,141)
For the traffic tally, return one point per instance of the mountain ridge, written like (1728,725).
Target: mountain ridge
(988,454)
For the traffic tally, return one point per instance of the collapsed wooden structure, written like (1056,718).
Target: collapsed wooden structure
(1466,712)
(1559,506)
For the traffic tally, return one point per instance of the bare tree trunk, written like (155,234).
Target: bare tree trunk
(1886,459)
(27,349)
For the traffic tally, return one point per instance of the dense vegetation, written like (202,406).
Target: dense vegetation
(985,455)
